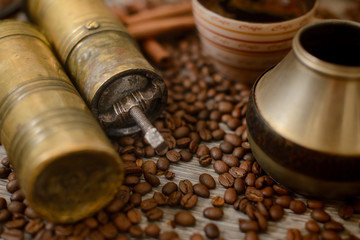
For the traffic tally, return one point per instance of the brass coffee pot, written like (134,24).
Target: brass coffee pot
(303,117)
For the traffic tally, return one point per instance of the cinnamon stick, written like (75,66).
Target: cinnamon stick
(156,52)
(157,27)
(162,11)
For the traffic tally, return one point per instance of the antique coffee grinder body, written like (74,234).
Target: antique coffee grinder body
(122,89)
(66,165)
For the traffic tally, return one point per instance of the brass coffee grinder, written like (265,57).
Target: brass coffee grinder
(123,91)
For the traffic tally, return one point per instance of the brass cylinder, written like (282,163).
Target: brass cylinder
(66,165)
(102,59)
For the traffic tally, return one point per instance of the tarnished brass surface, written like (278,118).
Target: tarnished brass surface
(303,116)
(67,167)
(312,102)
(103,60)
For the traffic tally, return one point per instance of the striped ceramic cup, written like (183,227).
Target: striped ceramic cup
(243,49)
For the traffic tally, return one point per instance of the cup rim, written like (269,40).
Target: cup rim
(321,65)
(235,21)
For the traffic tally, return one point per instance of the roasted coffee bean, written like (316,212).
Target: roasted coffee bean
(16,207)
(334,226)
(330,235)
(217,201)
(262,209)
(268,191)
(202,150)
(226,180)
(163,164)
(248,225)
(63,230)
(225,107)
(346,211)
(262,221)
(4,172)
(5,161)
(126,140)
(149,167)
(233,139)
(250,211)
(185,186)
(213,213)
(183,143)
(263,181)
(320,215)
(184,218)
(315,204)
(246,165)
(152,230)
(220,167)
(154,214)
(189,200)
(293,234)
(17,196)
(168,235)
(173,156)
(136,231)
(237,172)
(148,204)
(108,230)
(152,179)
(11,176)
(231,161)
(91,222)
(30,213)
(297,206)
(239,185)
(169,188)
(218,134)
(312,226)
(13,234)
(34,226)
(169,175)
(256,169)
(207,180)
(211,231)
(226,147)
(230,195)
(201,190)
(254,194)
(193,146)
(3,203)
(16,223)
(276,212)
(134,216)
(174,199)
(143,188)
(280,190)
(186,155)
(268,202)
(284,201)
(205,134)
(251,235)
(196,236)
(160,198)
(216,153)
(13,186)
(205,160)
(181,132)
(131,180)
(102,217)
(238,152)
(250,179)
(4,215)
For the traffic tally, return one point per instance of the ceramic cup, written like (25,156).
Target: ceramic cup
(242,50)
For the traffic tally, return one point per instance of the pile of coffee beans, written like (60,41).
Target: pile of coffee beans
(204,121)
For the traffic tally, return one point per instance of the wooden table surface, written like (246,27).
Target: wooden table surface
(228,225)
